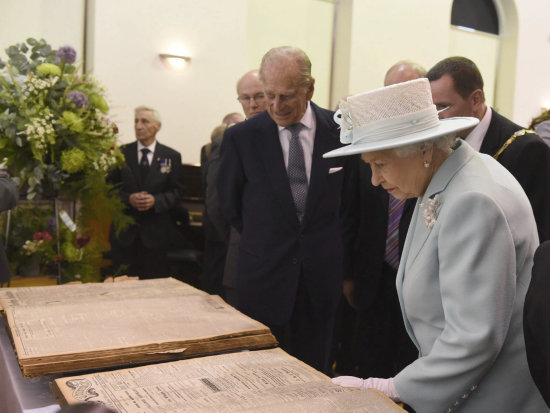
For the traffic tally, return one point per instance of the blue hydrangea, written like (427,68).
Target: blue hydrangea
(78,98)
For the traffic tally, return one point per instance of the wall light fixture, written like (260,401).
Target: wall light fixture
(174,61)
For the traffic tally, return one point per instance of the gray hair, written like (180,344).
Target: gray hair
(156,115)
(442,143)
(289,53)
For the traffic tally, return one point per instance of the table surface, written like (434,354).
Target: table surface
(18,393)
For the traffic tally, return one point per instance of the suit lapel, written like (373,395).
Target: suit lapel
(132,162)
(155,166)
(401,273)
(324,142)
(437,187)
(491,143)
(319,167)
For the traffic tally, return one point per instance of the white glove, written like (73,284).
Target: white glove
(384,385)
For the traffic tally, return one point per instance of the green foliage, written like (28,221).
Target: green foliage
(57,141)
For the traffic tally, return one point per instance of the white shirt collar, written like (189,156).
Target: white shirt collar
(475,137)
(151,147)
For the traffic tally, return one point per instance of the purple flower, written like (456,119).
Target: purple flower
(67,54)
(78,98)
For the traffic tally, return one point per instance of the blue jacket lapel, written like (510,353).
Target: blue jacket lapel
(437,186)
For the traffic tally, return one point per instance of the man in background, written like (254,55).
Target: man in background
(457,87)
(250,95)
(284,198)
(150,185)
(383,346)
(403,71)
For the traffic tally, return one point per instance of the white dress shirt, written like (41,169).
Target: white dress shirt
(475,137)
(306,136)
(151,148)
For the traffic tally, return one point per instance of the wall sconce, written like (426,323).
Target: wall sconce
(174,61)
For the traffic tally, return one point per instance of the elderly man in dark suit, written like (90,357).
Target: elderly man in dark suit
(150,185)
(285,199)
(457,87)
(8,199)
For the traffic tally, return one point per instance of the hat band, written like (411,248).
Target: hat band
(387,128)
(395,127)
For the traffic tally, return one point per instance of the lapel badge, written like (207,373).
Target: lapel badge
(165,165)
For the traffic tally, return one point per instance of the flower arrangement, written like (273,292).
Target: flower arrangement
(58,142)
(430,213)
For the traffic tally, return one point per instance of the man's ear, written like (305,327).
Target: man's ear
(310,89)
(477,98)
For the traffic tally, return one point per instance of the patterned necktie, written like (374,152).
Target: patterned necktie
(144,164)
(297,170)
(395,210)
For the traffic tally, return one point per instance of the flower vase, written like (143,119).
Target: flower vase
(31,267)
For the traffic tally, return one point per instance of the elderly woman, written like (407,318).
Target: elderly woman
(466,263)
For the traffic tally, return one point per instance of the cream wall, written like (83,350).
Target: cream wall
(58,21)
(384,32)
(128,37)
(226,38)
(532,86)
(306,24)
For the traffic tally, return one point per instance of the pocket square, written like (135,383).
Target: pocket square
(333,170)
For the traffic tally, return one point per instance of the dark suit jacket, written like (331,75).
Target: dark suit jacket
(528,159)
(536,321)
(155,225)
(276,252)
(370,214)
(224,232)
(8,199)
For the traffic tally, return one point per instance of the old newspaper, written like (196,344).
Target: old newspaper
(91,326)
(247,381)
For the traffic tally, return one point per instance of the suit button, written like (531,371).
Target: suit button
(295,261)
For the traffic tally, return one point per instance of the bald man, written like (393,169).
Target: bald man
(250,93)
(220,267)
(403,71)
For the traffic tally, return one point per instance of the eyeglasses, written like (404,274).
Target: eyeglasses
(258,98)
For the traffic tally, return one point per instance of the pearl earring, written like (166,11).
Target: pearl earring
(426,164)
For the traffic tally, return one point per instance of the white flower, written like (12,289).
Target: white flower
(430,213)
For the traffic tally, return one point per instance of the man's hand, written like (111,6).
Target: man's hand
(142,201)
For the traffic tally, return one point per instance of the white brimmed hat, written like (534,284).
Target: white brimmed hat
(392,116)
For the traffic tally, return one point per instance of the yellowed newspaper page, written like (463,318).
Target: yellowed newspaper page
(248,381)
(78,327)
(94,292)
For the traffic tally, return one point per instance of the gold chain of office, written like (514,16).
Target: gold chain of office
(511,139)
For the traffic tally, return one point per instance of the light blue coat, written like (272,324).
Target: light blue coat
(461,286)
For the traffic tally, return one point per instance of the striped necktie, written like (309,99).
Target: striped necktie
(395,210)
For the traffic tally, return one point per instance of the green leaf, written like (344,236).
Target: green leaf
(32,41)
